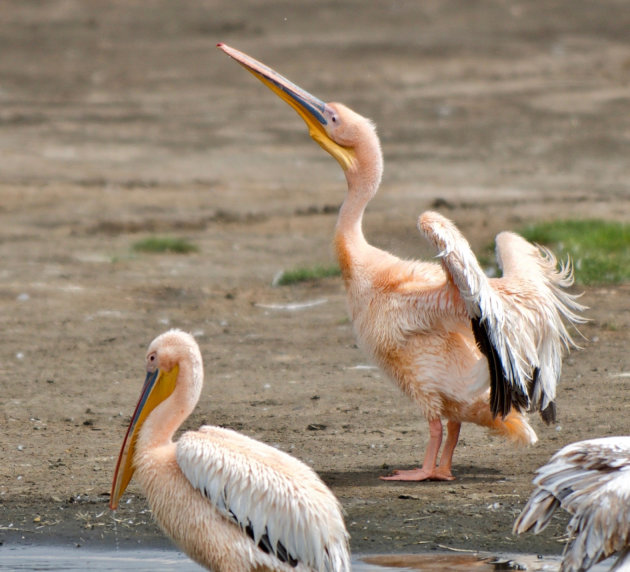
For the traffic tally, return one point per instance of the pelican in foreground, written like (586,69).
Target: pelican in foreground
(591,481)
(231,503)
(463,347)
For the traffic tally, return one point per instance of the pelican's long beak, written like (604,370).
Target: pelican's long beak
(310,108)
(158,385)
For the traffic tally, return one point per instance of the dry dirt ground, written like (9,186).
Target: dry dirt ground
(120,120)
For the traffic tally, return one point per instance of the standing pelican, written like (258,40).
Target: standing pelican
(443,333)
(231,503)
(591,481)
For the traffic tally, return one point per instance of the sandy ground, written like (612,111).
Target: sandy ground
(120,120)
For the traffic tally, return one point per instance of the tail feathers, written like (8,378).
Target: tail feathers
(514,425)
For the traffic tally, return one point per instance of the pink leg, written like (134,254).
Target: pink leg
(446,460)
(429,471)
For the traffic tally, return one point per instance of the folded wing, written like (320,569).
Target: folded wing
(279,502)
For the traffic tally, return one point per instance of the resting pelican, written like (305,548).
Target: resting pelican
(231,503)
(591,481)
(444,333)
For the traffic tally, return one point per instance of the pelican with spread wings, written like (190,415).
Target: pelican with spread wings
(463,347)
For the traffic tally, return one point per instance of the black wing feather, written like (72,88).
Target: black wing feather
(548,414)
(264,543)
(502,396)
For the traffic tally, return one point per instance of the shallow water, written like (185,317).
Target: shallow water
(58,558)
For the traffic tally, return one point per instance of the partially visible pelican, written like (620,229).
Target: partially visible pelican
(231,503)
(591,481)
(444,333)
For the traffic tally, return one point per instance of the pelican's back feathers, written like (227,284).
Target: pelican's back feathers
(277,500)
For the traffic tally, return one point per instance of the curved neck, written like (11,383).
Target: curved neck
(162,423)
(363,179)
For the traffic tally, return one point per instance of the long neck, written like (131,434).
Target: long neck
(162,423)
(363,179)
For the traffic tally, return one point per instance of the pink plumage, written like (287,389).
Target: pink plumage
(232,503)
(463,347)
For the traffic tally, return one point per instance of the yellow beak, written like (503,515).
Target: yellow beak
(158,385)
(310,108)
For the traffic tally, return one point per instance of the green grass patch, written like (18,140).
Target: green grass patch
(306,274)
(158,244)
(600,250)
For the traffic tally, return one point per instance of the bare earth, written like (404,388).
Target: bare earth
(120,120)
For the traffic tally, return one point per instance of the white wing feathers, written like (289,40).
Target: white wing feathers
(277,501)
(591,481)
(516,319)
(533,278)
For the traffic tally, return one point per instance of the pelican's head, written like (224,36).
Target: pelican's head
(333,125)
(166,354)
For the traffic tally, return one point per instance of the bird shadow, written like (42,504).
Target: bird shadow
(369,476)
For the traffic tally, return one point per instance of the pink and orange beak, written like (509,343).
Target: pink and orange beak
(158,385)
(311,109)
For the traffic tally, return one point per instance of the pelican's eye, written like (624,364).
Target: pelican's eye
(330,114)
(152,361)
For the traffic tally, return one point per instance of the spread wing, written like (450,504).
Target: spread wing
(516,319)
(279,502)
(591,481)
(536,285)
